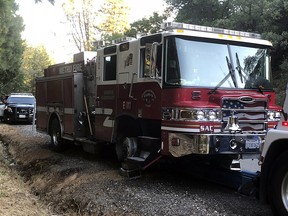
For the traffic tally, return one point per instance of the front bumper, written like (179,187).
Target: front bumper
(181,144)
(16,117)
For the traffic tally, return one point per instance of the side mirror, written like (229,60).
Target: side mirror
(285,105)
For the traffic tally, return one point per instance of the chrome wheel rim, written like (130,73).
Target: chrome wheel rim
(284,191)
(55,138)
(129,147)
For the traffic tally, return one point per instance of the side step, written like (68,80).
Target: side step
(130,170)
(133,166)
(148,154)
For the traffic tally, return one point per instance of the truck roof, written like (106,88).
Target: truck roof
(197,31)
(174,28)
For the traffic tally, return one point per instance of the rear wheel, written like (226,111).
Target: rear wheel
(279,185)
(57,142)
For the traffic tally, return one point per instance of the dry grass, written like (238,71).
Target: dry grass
(15,198)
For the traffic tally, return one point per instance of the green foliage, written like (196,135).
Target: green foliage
(114,14)
(146,25)
(201,12)
(11,48)
(108,38)
(51,1)
(35,60)
(81,16)
(246,14)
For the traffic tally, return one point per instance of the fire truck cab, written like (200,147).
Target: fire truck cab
(187,90)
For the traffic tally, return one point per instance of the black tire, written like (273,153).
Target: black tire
(57,142)
(7,120)
(126,147)
(279,185)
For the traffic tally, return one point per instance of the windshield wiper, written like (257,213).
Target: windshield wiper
(239,68)
(242,73)
(231,73)
(231,66)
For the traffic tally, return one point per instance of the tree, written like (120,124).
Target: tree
(246,15)
(34,61)
(51,1)
(148,25)
(275,29)
(82,17)
(201,12)
(11,47)
(114,14)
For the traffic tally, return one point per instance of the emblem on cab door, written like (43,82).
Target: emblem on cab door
(148,97)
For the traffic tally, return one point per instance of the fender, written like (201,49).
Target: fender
(51,117)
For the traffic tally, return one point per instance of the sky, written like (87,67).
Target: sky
(44,24)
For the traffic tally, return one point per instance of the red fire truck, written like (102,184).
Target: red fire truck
(187,91)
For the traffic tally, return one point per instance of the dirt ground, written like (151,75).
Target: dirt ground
(44,175)
(37,181)
(15,195)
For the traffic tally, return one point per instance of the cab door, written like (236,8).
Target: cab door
(106,97)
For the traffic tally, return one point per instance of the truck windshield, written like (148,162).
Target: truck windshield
(215,65)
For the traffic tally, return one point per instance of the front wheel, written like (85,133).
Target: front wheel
(57,142)
(126,147)
(7,119)
(279,185)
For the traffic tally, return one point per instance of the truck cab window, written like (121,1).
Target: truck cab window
(145,61)
(109,68)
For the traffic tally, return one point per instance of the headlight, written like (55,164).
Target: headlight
(9,109)
(186,114)
(212,115)
(200,115)
(273,115)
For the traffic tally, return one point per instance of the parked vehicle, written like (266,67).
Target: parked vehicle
(19,108)
(274,165)
(189,91)
(2,107)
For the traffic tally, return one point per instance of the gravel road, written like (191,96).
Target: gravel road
(75,183)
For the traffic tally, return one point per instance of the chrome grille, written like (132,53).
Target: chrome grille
(23,111)
(251,114)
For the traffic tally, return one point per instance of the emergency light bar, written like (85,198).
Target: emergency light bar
(99,44)
(175,25)
(122,39)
